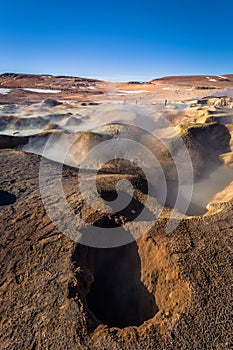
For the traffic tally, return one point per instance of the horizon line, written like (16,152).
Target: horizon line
(108,78)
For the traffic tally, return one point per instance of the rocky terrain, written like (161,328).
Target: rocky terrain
(164,289)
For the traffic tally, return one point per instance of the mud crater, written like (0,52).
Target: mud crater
(7,198)
(128,285)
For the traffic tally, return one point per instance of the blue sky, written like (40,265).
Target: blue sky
(119,40)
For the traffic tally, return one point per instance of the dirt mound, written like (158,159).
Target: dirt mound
(84,144)
(50,126)
(209,138)
(73,121)
(227,159)
(222,199)
(22,123)
(51,103)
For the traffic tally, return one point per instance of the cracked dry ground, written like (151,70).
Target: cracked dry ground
(164,291)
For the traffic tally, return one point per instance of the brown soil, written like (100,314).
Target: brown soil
(164,291)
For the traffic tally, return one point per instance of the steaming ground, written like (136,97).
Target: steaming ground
(161,291)
(65,132)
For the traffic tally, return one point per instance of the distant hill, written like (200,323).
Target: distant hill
(15,80)
(205,80)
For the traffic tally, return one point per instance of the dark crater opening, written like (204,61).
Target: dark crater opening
(130,213)
(117,296)
(6,198)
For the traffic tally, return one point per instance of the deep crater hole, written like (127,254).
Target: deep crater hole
(118,297)
(7,198)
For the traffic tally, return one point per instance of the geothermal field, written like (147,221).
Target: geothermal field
(116,203)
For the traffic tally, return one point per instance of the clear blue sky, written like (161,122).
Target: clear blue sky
(120,40)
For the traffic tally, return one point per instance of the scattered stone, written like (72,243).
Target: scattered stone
(51,103)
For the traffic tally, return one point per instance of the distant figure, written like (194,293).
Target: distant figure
(165,103)
(136,102)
